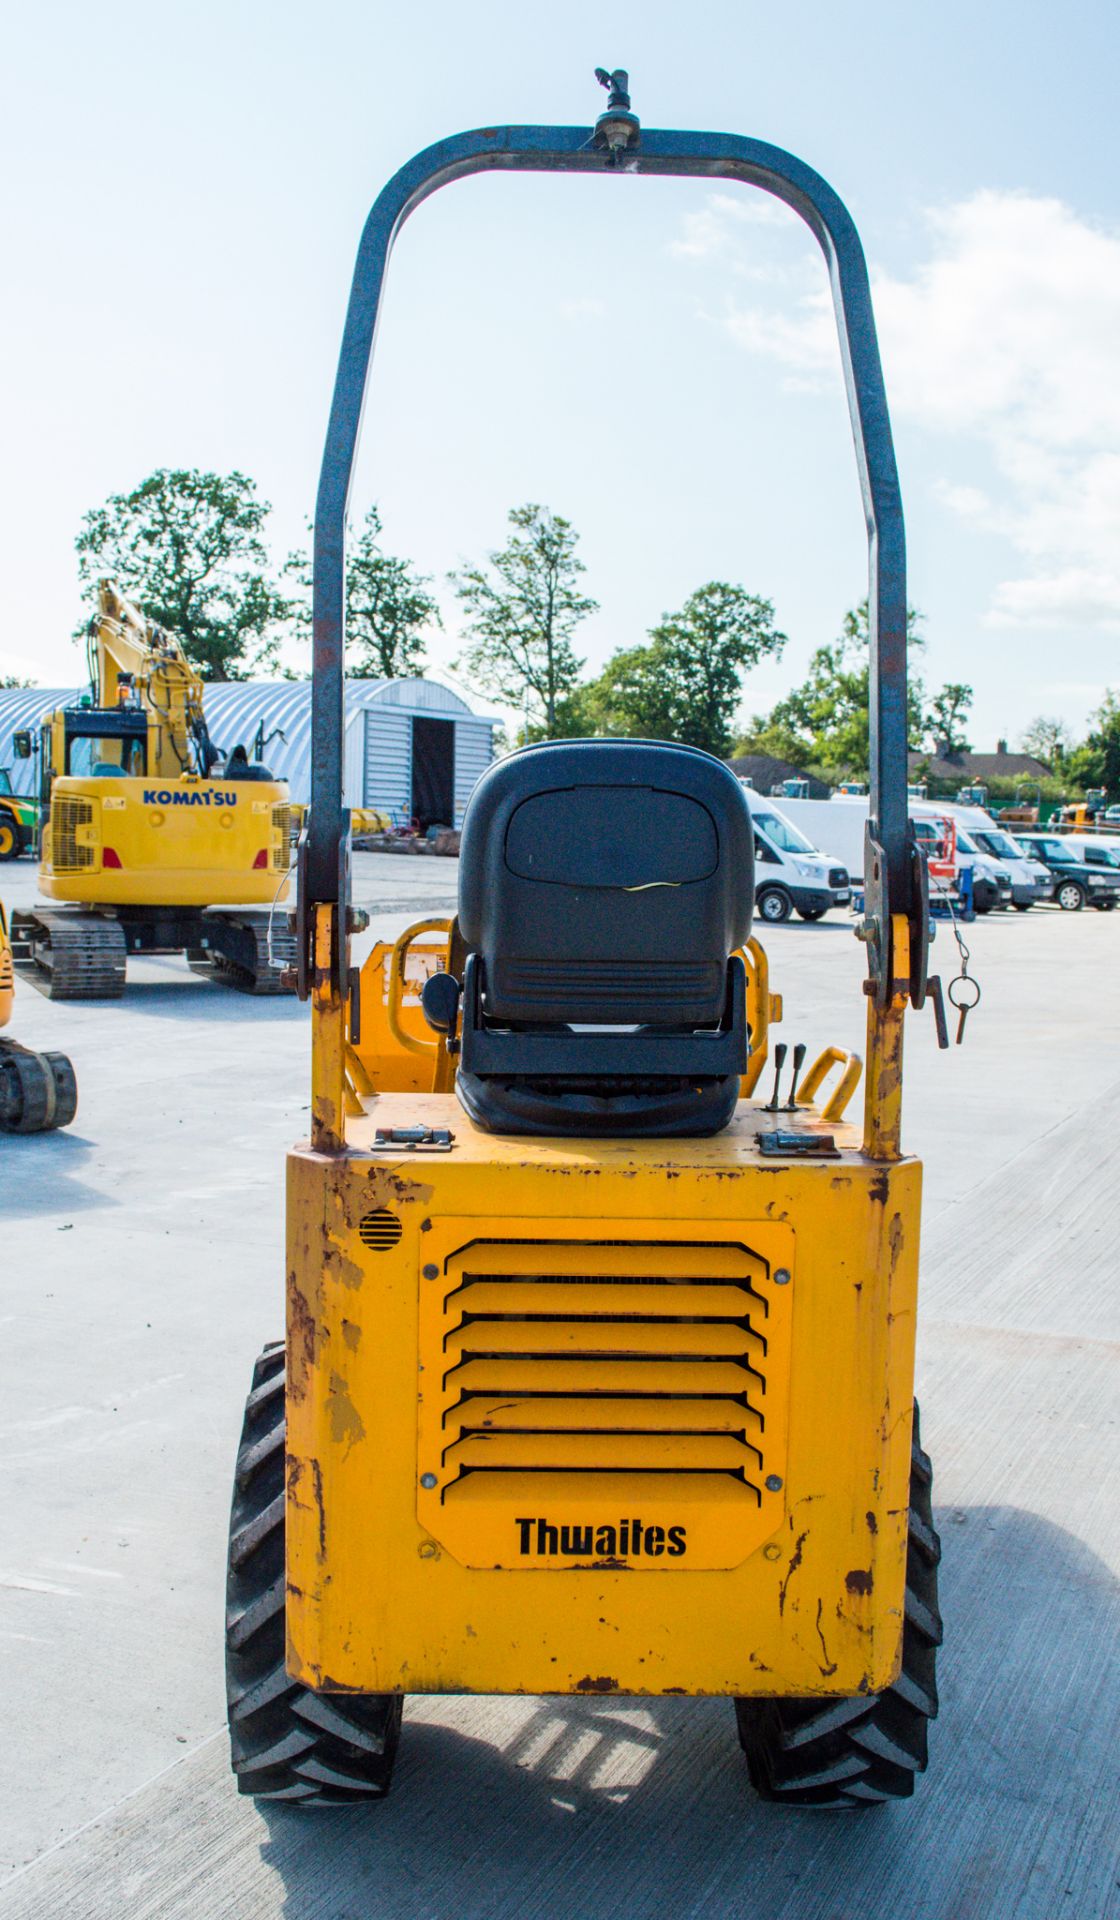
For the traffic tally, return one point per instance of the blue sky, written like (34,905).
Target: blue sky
(186,188)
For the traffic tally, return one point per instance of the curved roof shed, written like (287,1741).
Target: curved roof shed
(413,747)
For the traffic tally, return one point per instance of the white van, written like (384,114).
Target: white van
(838,825)
(789,871)
(976,830)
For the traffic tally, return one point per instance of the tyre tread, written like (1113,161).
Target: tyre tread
(286,1742)
(862,1751)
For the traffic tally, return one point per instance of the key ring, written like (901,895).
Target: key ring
(956,987)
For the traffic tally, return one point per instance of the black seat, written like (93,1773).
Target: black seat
(603,888)
(239,767)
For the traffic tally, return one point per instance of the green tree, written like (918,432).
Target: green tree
(1096,762)
(825,722)
(1048,740)
(944,725)
(523,608)
(189,548)
(13,680)
(687,683)
(388,607)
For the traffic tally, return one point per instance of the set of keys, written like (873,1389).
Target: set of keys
(963,995)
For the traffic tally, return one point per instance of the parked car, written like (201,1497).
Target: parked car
(1077,882)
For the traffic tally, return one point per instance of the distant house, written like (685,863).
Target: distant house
(978,769)
(765,773)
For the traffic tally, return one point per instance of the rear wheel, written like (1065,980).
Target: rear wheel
(859,1752)
(774,905)
(1023,906)
(286,1742)
(1070,896)
(10,842)
(812,913)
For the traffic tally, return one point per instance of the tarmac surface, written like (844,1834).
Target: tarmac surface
(142,1271)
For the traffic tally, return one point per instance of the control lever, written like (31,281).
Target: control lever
(799,1052)
(934,994)
(780,1052)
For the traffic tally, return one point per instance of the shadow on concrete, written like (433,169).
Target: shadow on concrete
(194,999)
(630,1808)
(43,1175)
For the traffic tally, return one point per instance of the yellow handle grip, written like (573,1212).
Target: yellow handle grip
(396,986)
(833,1108)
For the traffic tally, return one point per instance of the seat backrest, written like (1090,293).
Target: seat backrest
(606,882)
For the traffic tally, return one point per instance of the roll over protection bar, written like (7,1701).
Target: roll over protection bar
(618,144)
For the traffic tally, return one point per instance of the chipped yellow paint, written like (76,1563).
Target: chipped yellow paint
(328,1041)
(379,1585)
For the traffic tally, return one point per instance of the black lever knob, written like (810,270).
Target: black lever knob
(439,1002)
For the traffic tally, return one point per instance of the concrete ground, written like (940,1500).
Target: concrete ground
(142,1271)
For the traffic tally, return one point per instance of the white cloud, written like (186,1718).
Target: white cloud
(705,233)
(1007,335)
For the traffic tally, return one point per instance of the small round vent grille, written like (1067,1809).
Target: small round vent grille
(379,1231)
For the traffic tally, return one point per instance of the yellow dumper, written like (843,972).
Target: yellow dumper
(598,1374)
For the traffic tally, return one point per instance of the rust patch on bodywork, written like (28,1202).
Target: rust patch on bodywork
(603,1684)
(303,1338)
(829,1666)
(295,1496)
(795,1562)
(859,1580)
(386,1186)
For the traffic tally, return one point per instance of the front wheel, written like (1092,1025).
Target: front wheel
(774,905)
(812,913)
(861,1751)
(11,844)
(1070,896)
(1023,906)
(286,1742)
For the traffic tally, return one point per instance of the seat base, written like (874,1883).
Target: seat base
(654,1109)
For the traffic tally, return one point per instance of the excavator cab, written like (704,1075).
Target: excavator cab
(144,849)
(598,1370)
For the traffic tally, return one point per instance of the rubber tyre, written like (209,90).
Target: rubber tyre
(1023,906)
(1104,906)
(27,1096)
(862,1751)
(11,839)
(65,1088)
(1070,897)
(812,913)
(773,905)
(286,1742)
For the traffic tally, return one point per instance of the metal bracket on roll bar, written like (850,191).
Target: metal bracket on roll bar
(302,918)
(882,983)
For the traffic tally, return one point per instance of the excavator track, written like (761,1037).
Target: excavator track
(38,1091)
(242,954)
(70,956)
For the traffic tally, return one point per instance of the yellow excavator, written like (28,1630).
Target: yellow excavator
(38,1091)
(599,1367)
(152,841)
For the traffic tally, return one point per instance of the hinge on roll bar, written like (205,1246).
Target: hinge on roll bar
(889,975)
